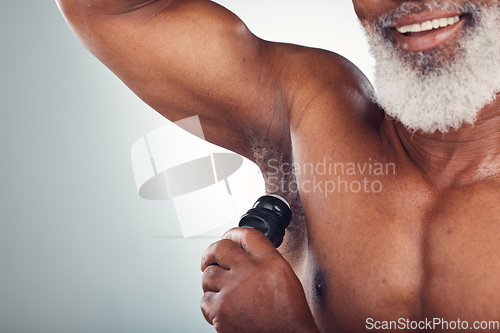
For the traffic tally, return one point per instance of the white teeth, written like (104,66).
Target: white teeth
(443,22)
(429,25)
(415,27)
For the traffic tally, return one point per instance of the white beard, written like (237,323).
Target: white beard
(426,92)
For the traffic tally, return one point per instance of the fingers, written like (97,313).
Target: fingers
(213,278)
(233,269)
(207,307)
(224,253)
(252,241)
(234,246)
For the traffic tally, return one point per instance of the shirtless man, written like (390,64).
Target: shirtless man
(414,244)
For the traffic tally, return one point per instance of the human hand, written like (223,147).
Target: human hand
(249,287)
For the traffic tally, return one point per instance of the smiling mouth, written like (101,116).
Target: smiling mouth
(428,25)
(426,31)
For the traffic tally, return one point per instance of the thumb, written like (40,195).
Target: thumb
(254,242)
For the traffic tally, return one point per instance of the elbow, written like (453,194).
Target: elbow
(64,5)
(67,8)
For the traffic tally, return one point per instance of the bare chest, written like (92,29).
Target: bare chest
(399,253)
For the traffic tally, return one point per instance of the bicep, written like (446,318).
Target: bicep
(186,58)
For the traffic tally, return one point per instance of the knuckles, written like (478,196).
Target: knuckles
(217,249)
(211,272)
(224,309)
(246,290)
(245,234)
(209,275)
(207,306)
(224,246)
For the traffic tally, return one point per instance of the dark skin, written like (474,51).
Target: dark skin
(425,246)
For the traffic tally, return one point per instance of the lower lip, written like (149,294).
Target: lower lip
(423,41)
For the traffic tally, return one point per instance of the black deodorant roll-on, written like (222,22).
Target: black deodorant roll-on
(270,214)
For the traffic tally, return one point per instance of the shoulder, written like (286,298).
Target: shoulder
(321,83)
(329,101)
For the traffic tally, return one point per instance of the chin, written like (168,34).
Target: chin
(445,87)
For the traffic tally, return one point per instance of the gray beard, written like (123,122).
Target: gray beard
(425,90)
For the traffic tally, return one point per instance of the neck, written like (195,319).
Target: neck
(460,157)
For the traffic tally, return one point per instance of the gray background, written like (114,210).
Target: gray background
(80,251)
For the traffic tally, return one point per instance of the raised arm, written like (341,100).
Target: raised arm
(184,58)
